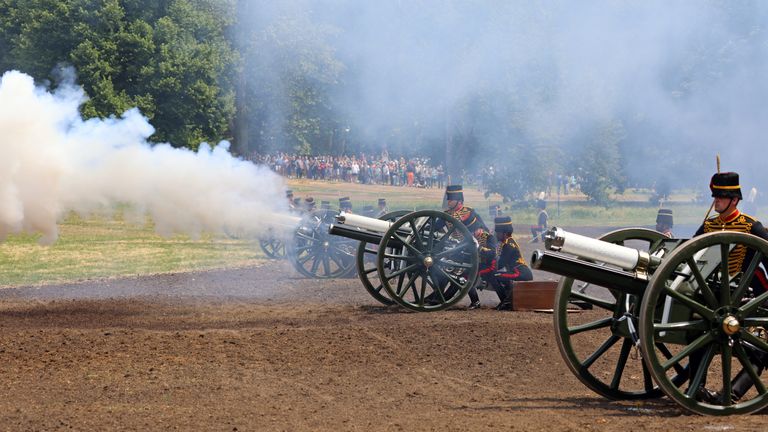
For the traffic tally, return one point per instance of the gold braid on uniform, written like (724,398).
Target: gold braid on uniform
(739,223)
(461,214)
(509,241)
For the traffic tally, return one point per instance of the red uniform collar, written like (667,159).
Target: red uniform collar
(731,217)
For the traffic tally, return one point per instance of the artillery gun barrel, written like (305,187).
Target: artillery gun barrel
(568,266)
(559,240)
(363,228)
(363,222)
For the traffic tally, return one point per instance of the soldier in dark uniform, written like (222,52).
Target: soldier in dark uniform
(664,222)
(726,192)
(289,196)
(309,204)
(382,208)
(345,204)
(486,242)
(509,264)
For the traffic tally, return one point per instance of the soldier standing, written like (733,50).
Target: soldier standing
(664,222)
(508,266)
(726,192)
(289,196)
(486,242)
(543,220)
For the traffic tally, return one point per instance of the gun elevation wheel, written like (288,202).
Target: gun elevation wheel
(599,343)
(427,261)
(317,254)
(714,317)
(367,270)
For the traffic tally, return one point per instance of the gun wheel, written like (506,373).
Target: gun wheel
(596,329)
(273,247)
(713,318)
(317,254)
(427,261)
(367,269)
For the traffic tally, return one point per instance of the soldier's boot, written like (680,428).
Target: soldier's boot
(742,383)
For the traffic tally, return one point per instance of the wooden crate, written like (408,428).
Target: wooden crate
(532,295)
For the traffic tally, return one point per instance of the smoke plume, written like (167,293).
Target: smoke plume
(53,162)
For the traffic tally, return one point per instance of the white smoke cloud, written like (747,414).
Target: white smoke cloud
(52,162)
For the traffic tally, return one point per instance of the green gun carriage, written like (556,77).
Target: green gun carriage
(638,316)
(424,261)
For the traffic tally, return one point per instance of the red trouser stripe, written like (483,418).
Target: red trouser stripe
(510,275)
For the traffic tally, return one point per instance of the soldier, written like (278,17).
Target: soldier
(455,207)
(509,264)
(726,192)
(345,204)
(664,222)
(382,208)
(289,196)
(309,204)
(543,218)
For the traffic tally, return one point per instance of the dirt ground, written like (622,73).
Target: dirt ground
(264,349)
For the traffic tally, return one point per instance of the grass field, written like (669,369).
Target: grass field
(103,247)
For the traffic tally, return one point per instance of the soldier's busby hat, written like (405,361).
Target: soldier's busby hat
(725,185)
(345,203)
(503,224)
(454,192)
(289,193)
(664,217)
(382,201)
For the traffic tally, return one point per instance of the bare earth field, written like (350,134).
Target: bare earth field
(263,349)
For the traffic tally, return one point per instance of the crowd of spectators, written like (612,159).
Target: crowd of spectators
(365,169)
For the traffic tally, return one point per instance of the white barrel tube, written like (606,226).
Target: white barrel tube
(588,248)
(363,222)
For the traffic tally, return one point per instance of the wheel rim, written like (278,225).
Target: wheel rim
(598,344)
(317,254)
(709,315)
(367,270)
(437,263)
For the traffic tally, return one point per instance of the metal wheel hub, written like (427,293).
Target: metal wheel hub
(731,325)
(428,261)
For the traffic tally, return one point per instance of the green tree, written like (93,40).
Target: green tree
(171,58)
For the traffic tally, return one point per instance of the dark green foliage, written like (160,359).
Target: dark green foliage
(170,59)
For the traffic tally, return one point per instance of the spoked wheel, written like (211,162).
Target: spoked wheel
(317,254)
(273,247)
(427,261)
(599,344)
(367,270)
(700,304)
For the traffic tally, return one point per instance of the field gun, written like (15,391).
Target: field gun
(664,316)
(424,260)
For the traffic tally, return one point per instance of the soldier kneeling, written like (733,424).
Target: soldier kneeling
(508,266)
